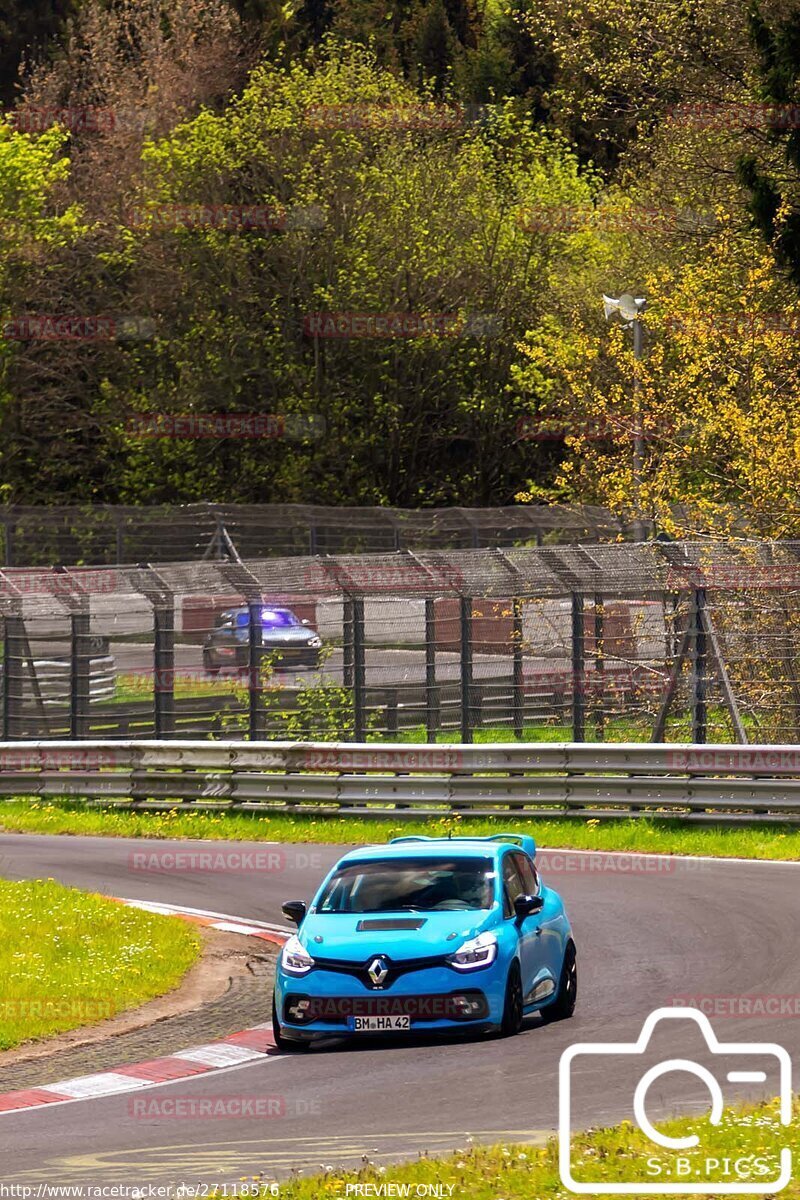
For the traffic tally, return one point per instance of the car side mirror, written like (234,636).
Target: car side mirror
(305,621)
(524,906)
(295,910)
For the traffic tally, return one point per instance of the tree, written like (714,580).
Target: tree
(719,393)
(416,211)
(772,175)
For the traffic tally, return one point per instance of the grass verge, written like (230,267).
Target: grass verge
(618,1154)
(642,835)
(70,958)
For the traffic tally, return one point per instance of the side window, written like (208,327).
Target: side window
(528,874)
(512,884)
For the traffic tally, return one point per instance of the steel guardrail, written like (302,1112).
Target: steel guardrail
(723,783)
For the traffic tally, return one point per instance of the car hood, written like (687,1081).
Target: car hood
(290,635)
(353,937)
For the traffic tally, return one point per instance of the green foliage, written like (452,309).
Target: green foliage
(68,958)
(772,177)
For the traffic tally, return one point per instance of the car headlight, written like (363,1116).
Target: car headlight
(315,641)
(477,952)
(294,959)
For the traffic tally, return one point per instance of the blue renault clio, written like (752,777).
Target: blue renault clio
(426,935)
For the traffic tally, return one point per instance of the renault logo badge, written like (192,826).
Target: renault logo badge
(377,970)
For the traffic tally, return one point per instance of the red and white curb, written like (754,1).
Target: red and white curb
(230,1052)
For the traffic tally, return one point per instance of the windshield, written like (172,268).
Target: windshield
(273,618)
(410,885)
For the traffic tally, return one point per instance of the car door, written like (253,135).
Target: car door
(528,929)
(550,934)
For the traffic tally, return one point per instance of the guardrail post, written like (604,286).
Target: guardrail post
(255,686)
(431,691)
(13,667)
(359,672)
(466,669)
(79,675)
(599,670)
(164,663)
(518,684)
(699,666)
(578,673)
(347,642)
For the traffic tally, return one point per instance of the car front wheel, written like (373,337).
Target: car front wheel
(564,1004)
(512,1009)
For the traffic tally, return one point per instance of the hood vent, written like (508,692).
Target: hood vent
(383,924)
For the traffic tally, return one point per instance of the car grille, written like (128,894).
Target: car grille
(360,971)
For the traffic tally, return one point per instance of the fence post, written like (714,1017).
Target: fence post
(79,675)
(578,688)
(10,529)
(466,669)
(431,693)
(698,668)
(347,642)
(518,685)
(13,666)
(254,684)
(599,669)
(359,672)
(164,663)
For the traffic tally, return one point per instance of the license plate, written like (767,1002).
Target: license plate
(378,1024)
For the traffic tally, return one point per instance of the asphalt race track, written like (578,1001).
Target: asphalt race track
(647,932)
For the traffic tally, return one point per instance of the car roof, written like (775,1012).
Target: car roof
(433,848)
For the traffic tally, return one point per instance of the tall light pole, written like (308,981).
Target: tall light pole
(631,310)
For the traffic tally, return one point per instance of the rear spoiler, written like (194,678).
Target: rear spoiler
(523,840)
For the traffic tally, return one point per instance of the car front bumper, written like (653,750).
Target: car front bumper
(437,999)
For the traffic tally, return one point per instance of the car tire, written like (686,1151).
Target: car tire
(564,1004)
(512,1008)
(208,665)
(284,1044)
